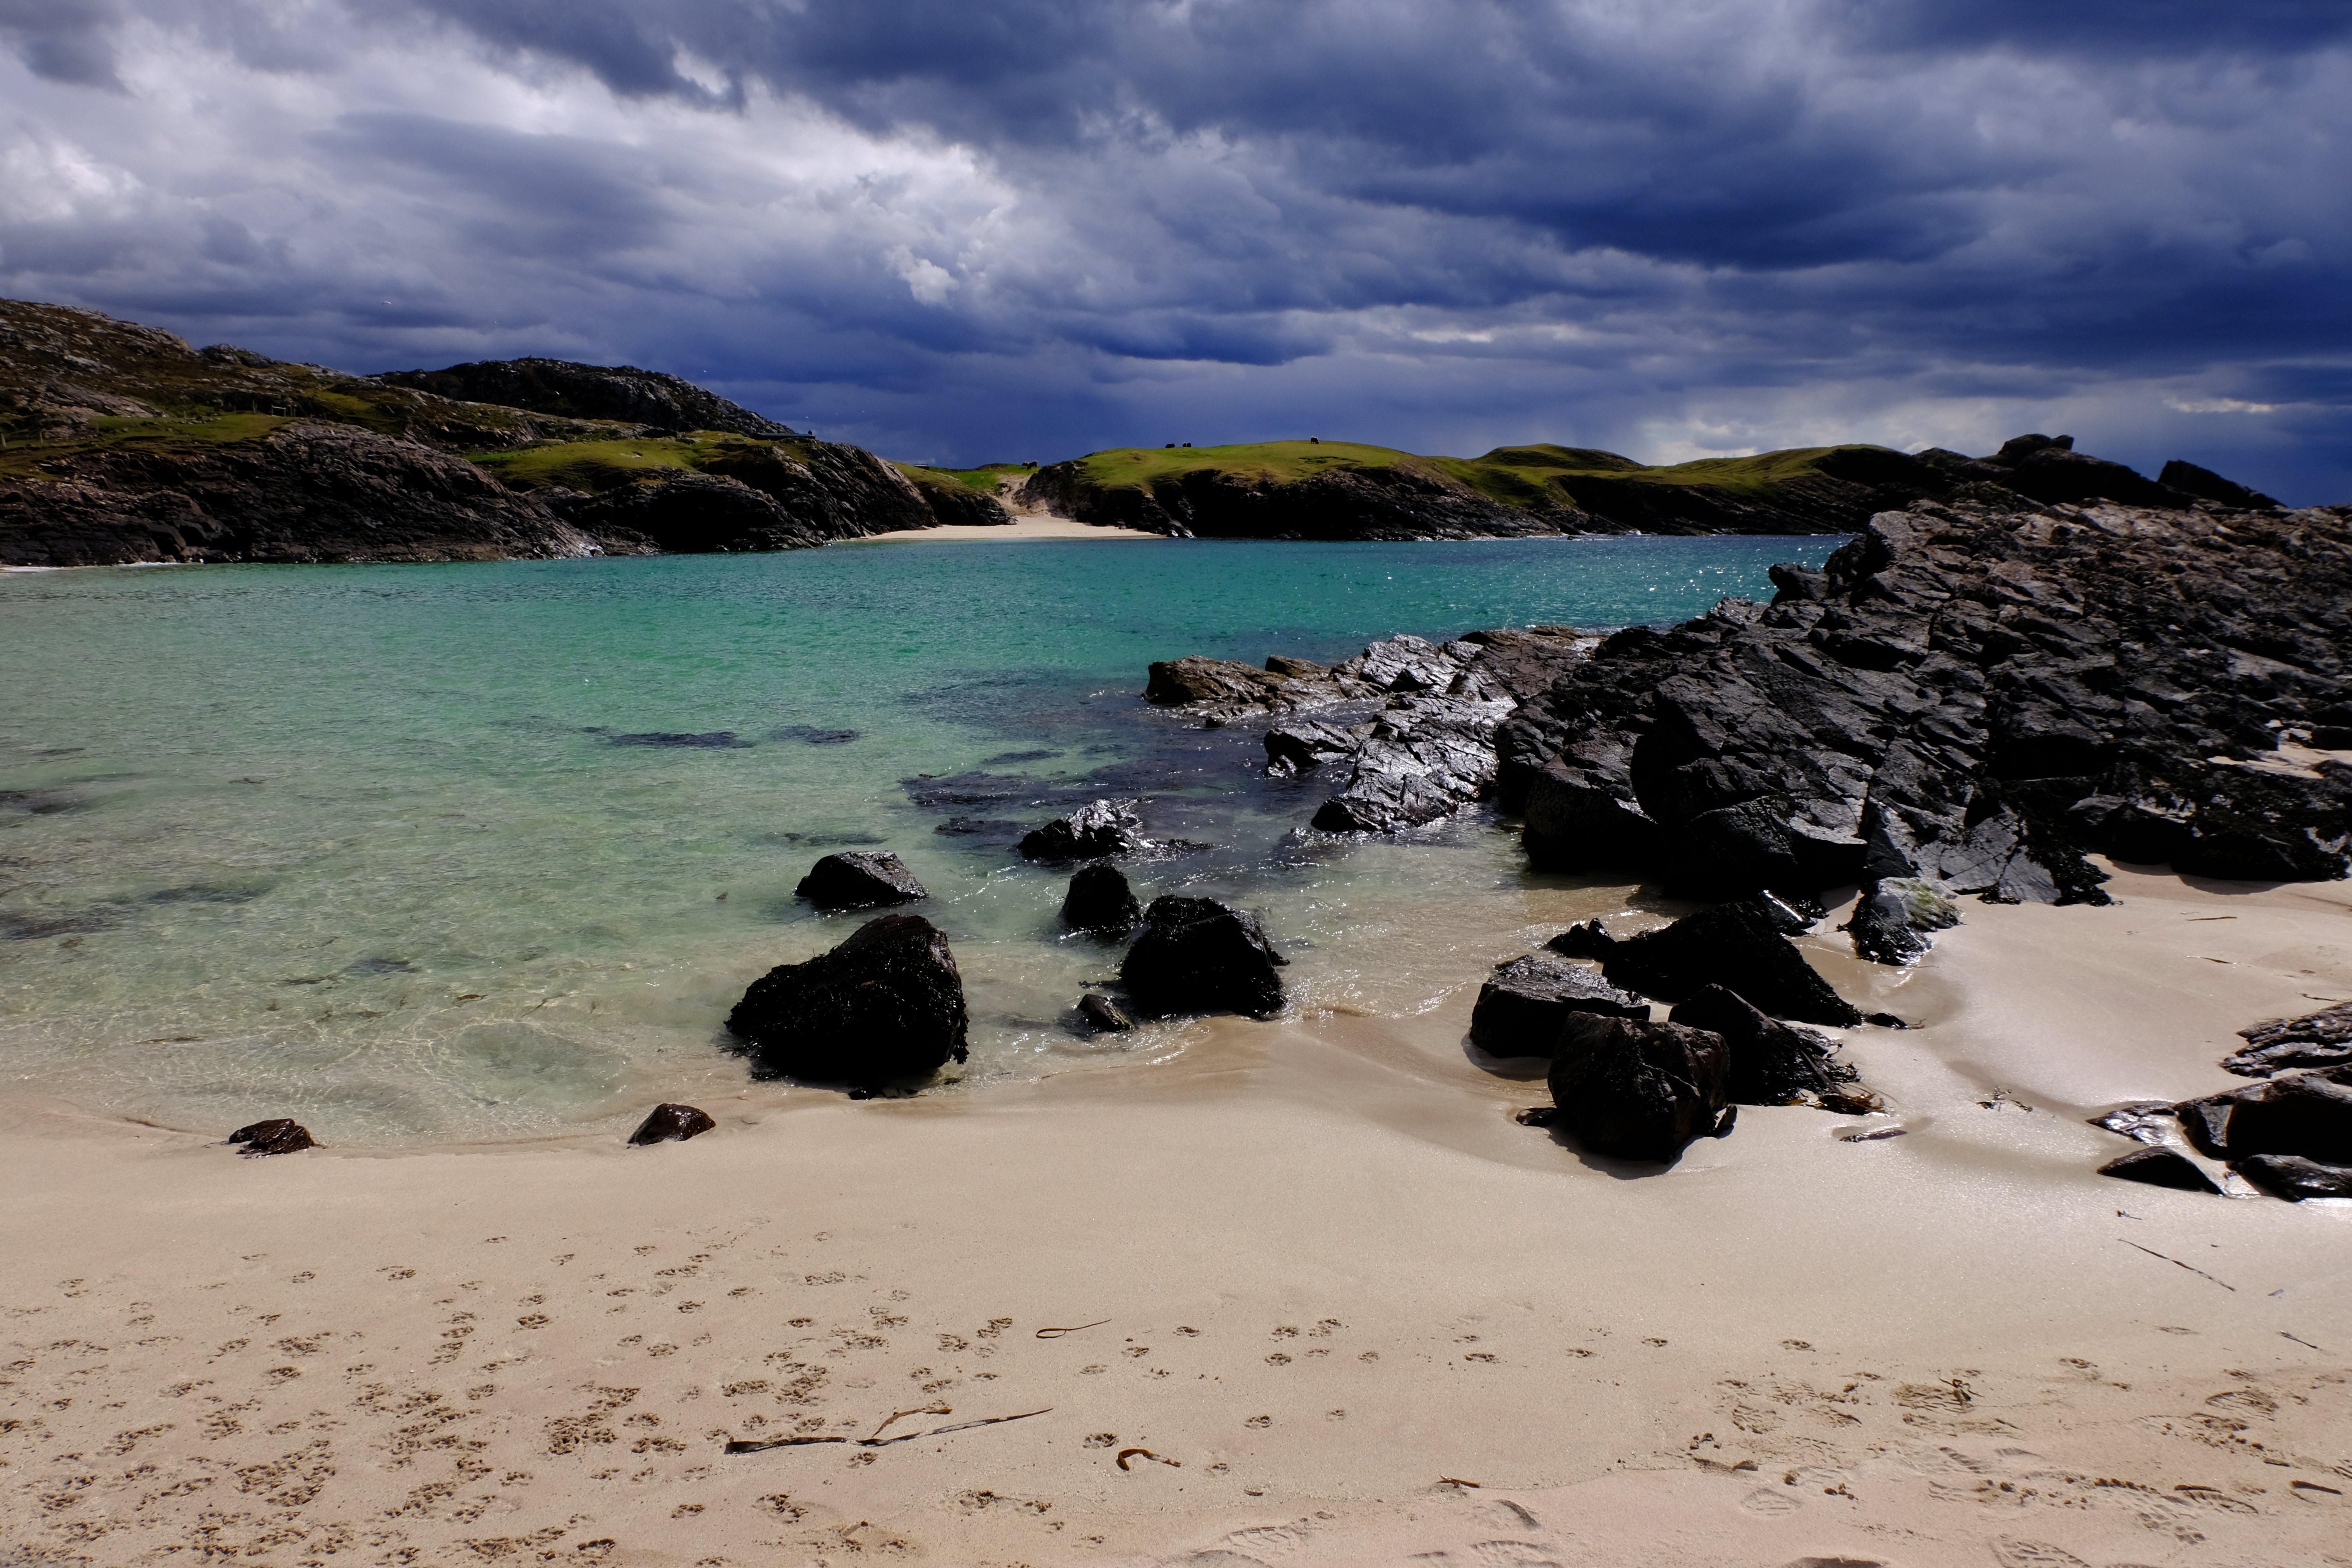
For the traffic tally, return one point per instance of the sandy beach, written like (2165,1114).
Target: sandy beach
(1302,1294)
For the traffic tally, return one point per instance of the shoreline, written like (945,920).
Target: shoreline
(1335,1272)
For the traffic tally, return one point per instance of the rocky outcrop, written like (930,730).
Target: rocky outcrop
(1638,1090)
(1891,919)
(1102,1015)
(672,1124)
(1388,502)
(299,491)
(1425,752)
(859,879)
(887,1007)
(1738,946)
(1099,901)
(1197,955)
(2321,1039)
(2294,1178)
(1969,694)
(1098,829)
(1523,1004)
(2301,1113)
(623,393)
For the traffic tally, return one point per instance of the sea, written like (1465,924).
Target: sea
(486,852)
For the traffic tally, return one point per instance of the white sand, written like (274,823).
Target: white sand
(1332,1273)
(1023,526)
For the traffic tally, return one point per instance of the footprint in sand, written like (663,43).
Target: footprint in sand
(2034,1554)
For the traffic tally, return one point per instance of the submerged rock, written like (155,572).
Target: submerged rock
(1738,946)
(1637,1090)
(857,879)
(1524,1002)
(1103,1013)
(2160,1166)
(884,1006)
(670,1123)
(1098,828)
(1773,1063)
(1100,901)
(1197,955)
(278,1135)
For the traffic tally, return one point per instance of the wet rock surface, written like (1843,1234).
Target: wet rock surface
(1738,946)
(2298,1113)
(1971,693)
(1100,828)
(1103,1014)
(671,1123)
(857,879)
(277,1136)
(1892,917)
(2294,1178)
(1523,1004)
(1197,955)
(1100,901)
(1635,1090)
(1417,742)
(886,1006)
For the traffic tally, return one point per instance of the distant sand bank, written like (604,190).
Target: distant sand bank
(1328,1282)
(1024,526)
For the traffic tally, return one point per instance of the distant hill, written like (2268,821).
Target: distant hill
(121,443)
(1339,489)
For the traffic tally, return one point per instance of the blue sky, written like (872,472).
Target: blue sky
(957,231)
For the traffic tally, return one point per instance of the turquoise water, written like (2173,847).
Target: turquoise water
(414,852)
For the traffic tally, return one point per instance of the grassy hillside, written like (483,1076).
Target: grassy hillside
(1534,478)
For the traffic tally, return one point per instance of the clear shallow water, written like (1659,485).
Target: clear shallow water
(386,849)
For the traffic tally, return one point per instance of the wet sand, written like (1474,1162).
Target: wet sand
(1326,1284)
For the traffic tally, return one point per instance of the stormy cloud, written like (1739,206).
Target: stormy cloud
(958,232)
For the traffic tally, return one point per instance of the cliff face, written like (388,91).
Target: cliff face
(119,443)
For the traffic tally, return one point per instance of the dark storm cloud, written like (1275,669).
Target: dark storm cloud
(957,229)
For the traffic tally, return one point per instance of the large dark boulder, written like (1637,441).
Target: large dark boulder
(1637,1090)
(1771,1063)
(1197,955)
(1100,901)
(2294,1178)
(1524,1002)
(1097,829)
(2299,1112)
(2160,1166)
(1891,920)
(1756,846)
(1738,947)
(278,1135)
(859,879)
(886,1006)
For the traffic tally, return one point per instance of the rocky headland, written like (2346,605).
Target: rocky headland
(121,443)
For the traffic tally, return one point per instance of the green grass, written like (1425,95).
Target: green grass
(1529,478)
(23,458)
(598,466)
(983,478)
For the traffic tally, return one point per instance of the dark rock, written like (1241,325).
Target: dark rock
(2159,1166)
(1197,955)
(1426,758)
(884,1006)
(1981,693)
(1734,946)
(684,513)
(1769,1062)
(1637,1090)
(1299,745)
(2142,1122)
(1103,1013)
(558,386)
(1536,1116)
(1522,1005)
(1100,901)
(278,1135)
(1284,665)
(1098,828)
(1890,922)
(1182,682)
(2296,1112)
(1792,916)
(858,879)
(1585,939)
(1883,1021)
(708,740)
(2321,1039)
(2207,485)
(812,735)
(672,1124)
(2291,1177)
